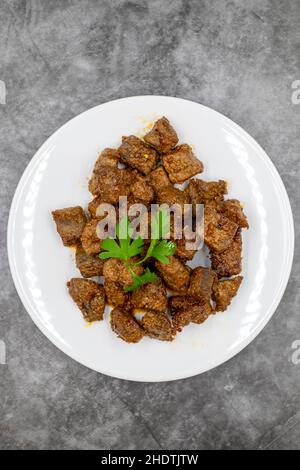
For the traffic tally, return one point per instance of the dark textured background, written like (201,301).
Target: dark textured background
(59,58)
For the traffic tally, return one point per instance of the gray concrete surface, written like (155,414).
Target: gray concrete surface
(58,58)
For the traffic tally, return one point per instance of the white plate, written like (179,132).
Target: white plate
(57,177)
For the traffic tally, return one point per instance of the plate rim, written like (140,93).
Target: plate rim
(289,229)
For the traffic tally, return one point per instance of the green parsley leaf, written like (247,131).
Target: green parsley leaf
(135,247)
(126,248)
(147,276)
(163,250)
(113,250)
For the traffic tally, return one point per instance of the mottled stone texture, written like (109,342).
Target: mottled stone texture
(59,58)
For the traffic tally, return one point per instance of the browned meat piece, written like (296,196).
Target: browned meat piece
(157,326)
(233,209)
(162,136)
(224,291)
(229,262)
(201,311)
(187,309)
(111,183)
(151,296)
(170,195)
(142,191)
(181,312)
(125,326)
(116,276)
(180,319)
(201,283)
(88,265)
(175,274)
(181,164)
(97,206)
(89,239)
(108,157)
(70,223)
(203,191)
(182,252)
(89,297)
(219,231)
(159,179)
(94,204)
(135,153)
(114,270)
(115,295)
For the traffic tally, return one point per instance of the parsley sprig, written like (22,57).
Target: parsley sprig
(125,247)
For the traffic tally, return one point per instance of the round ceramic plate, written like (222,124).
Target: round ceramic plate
(57,177)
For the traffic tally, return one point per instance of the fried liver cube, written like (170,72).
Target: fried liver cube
(91,243)
(224,291)
(229,262)
(233,209)
(135,153)
(93,206)
(89,297)
(162,136)
(170,195)
(185,309)
(198,296)
(115,295)
(88,265)
(111,183)
(182,252)
(159,179)
(181,312)
(70,223)
(175,274)
(201,311)
(201,283)
(219,231)
(201,191)
(108,157)
(181,164)
(151,296)
(116,277)
(157,325)
(125,325)
(142,191)
(114,270)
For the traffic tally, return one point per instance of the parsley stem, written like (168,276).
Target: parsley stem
(148,254)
